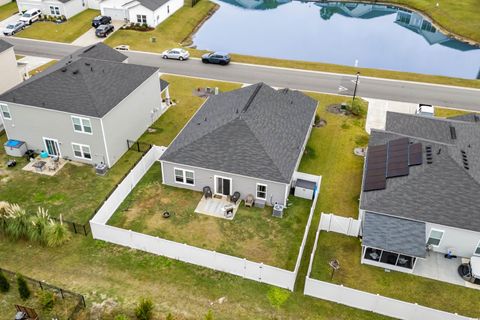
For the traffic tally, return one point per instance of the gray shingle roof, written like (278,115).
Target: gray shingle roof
(99,51)
(443,192)
(153,4)
(469,117)
(4,45)
(163,84)
(394,234)
(81,85)
(254,131)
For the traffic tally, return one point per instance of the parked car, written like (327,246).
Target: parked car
(13,28)
(104,30)
(216,57)
(99,20)
(30,16)
(176,53)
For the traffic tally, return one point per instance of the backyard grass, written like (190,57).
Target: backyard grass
(63,32)
(252,234)
(177,29)
(61,309)
(446,113)
(42,67)
(8,10)
(430,293)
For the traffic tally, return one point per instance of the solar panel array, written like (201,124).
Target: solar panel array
(390,160)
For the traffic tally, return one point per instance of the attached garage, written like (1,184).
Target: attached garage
(119,14)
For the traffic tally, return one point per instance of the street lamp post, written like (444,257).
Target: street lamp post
(355,90)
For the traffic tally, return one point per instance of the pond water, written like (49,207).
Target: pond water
(366,35)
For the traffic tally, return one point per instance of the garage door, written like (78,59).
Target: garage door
(115,14)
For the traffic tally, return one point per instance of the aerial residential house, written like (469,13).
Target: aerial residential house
(67,8)
(421,191)
(248,140)
(10,73)
(85,107)
(149,12)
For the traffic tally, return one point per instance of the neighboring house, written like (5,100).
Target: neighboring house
(85,107)
(67,8)
(150,12)
(421,190)
(3,2)
(10,73)
(248,140)
(354,10)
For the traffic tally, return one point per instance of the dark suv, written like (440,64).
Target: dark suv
(103,30)
(216,57)
(100,20)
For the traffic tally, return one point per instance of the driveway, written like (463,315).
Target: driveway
(10,19)
(89,37)
(377,112)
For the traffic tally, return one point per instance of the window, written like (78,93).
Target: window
(184,176)
(141,18)
(5,112)
(477,250)
(261,191)
(435,237)
(54,10)
(82,125)
(82,151)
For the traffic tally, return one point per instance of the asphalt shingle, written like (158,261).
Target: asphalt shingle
(4,45)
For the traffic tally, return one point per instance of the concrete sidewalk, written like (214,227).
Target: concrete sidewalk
(89,37)
(377,112)
(33,62)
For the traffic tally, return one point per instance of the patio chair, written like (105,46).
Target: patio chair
(207,192)
(235,197)
(249,201)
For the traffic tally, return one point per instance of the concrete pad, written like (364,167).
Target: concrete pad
(377,112)
(89,37)
(33,62)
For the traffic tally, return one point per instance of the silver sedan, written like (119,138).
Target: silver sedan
(179,54)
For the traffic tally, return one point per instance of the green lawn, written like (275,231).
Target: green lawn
(8,10)
(446,113)
(430,293)
(63,32)
(42,67)
(458,17)
(252,234)
(62,308)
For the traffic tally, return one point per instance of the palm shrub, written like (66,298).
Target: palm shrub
(47,300)
(4,284)
(38,227)
(3,215)
(23,289)
(121,317)
(144,309)
(56,233)
(209,315)
(17,222)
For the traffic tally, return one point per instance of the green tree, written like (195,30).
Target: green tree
(144,309)
(23,289)
(4,284)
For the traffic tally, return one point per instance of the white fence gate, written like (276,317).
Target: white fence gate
(331,222)
(365,300)
(206,258)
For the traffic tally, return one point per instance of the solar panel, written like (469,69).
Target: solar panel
(415,154)
(375,168)
(397,158)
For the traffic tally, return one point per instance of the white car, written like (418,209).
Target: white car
(30,16)
(13,28)
(179,54)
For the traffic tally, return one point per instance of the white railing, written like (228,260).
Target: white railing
(206,258)
(334,223)
(369,301)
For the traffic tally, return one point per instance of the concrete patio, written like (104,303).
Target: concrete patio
(436,266)
(215,207)
(46,166)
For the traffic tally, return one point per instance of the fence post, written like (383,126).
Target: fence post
(61,293)
(83,300)
(40,284)
(74,228)
(138,146)
(85,230)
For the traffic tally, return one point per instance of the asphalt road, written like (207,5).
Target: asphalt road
(448,96)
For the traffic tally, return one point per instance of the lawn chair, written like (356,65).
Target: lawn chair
(207,192)
(235,197)
(249,201)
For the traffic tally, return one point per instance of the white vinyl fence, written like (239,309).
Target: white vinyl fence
(206,258)
(369,301)
(331,222)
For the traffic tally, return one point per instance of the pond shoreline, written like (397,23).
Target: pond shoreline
(187,42)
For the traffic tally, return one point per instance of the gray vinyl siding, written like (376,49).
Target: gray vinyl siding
(276,191)
(31,124)
(132,117)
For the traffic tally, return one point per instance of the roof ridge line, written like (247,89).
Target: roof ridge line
(413,137)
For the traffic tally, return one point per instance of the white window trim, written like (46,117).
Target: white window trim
(2,105)
(81,150)
(54,9)
(45,145)
(441,238)
(184,175)
(81,124)
(256,191)
(215,177)
(476,248)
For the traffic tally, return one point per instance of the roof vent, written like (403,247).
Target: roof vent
(465,160)
(87,63)
(75,71)
(250,100)
(453,133)
(428,152)
(64,69)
